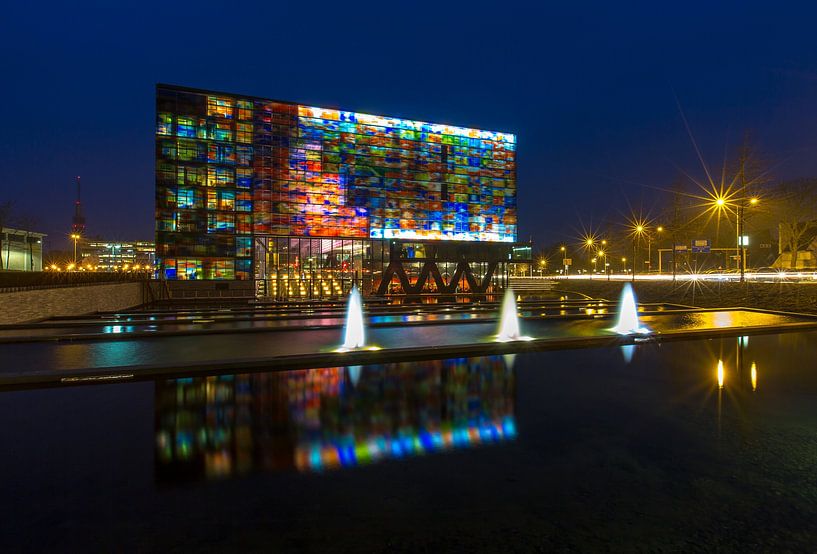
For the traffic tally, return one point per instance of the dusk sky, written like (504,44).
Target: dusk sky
(590,91)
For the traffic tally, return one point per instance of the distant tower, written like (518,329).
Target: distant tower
(78,222)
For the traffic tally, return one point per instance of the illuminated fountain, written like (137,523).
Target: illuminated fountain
(509,320)
(354,335)
(628,314)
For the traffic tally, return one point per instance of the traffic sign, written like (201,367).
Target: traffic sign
(701,246)
(568,261)
(681,248)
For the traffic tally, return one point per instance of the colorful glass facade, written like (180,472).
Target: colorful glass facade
(232,168)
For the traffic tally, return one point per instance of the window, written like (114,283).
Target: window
(243,247)
(190,150)
(166,221)
(220,130)
(221,153)
(243,202)
(220,223)
(168,149)
(244,110)
(219,176)
(186,127)
(188,269)
(220,107)
(243,177)
(219,269)
(243,132)
(185,198)
(191,175)
(244,224)
(164,124)
(226,200)
(244,155)
(242,269)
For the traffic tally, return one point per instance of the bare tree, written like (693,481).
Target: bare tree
(794,206)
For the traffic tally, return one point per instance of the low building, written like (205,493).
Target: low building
(102,255)
(21,250)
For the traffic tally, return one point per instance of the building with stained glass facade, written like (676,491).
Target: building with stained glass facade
(309,201)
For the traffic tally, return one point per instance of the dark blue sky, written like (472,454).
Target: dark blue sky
(590,90)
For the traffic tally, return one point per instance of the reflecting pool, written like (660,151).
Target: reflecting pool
(680,446)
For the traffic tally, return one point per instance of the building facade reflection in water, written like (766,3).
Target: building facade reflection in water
(310,420)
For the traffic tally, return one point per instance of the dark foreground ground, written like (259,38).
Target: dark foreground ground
(791,297)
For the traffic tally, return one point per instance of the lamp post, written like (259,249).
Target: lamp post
(658,231)
(594,265)
(740,205)
(602,254)
(564,259)
(741,224)
(75,237)
(624,265)
(638,231)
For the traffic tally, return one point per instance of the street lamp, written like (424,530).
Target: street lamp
(594,265)
(603,255)
(75,237)
(624,265)
(564,259)
(723,202)
(638,231)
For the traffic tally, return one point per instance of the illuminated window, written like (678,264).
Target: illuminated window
(185,198)
(164,124)
(219,269)
(190,150)
(186,127)
(188,269)
(226,200)
(243,202)
(244,224)
(243,247)
(221,153)
(220,223)
(244,110)
(243,177)
(166,221)
(243,132)
(220,130)
(243,269)
(244,155)
(191,175)
(219,176)
(220,107)
(168,149)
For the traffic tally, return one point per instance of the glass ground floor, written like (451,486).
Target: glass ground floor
(307,268)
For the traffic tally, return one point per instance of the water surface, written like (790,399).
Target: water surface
(553,450)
